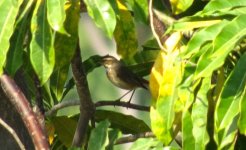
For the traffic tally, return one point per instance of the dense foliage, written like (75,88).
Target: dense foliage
(196,61)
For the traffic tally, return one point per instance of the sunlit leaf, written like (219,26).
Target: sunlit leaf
(199,115)
(99,136)
(8,12)
(56,14)
(179,6)
(15,53)
(165,77)
(42,53)
(240,71)
(103,15)
(222,5)
(125,34)
(140,10)
(223,44)
(65,45)
(188,138)
(227,108)
(186,26)
(201,37)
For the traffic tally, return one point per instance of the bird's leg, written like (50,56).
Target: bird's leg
(124,95)
(131,97)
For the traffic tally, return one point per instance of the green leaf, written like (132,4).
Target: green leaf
(8,12)
(65,129)
(227,108)
(167,75)
(191,25)
(140,10)
(186,98)
(15,54)
(146,144)
(188,138)
(99,136)
(241,72)
(201,37)
(199,115)
(56,14)
(179,6)
(113,136)
(42,54)
(126,123)
(125,34)
(65,45)
(58,80)
(224,43)
(222,5)
(103,15)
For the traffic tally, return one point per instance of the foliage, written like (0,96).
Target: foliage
(197,74)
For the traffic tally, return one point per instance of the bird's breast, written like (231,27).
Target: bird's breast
(113,77)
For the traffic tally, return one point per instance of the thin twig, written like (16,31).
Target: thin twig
(62,105)
(123,104)
(102,103)
(22,105)
(132,138)
(13,133)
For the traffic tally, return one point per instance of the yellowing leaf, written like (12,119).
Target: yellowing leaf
(173,41)
(50,131)
(179,6)
(156,75)
(165,77)
(125,34)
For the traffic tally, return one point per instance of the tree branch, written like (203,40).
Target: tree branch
(13,133)
(62,105)
(123,104)
(87,108)
(69,103)
(18,99)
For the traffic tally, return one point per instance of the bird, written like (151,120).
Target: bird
(121,76)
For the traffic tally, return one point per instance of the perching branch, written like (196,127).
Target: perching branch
(87,108)
(69,103)
(123,104)
(18,99)
(13,133)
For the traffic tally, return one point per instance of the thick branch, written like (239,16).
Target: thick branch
(18,99)
(87,108)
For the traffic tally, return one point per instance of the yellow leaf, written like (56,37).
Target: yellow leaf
(173,41)
(156,75)
(50,131)
(125,34)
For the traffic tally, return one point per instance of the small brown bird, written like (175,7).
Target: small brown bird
(121,76)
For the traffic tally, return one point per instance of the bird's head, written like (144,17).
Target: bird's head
(109,61)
